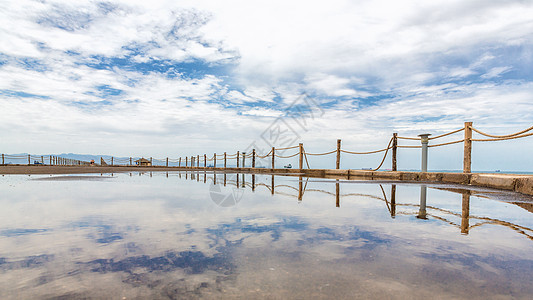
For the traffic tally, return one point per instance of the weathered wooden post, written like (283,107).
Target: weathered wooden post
(3,162)
(131,161)
(273,156)
(48,157)
(237,160)
(167,161)
(301,164)
(179,163)
(42,160)
(394,150)
(197,161)
(253,158)
(338,164)
(424,139)
(151,161)
(186,162)
(225,160)
(29,160)
(205,160)
(214,160)
(467,158)
(243,159)
(111,160)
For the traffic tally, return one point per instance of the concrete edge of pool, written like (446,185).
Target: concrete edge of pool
(510,182)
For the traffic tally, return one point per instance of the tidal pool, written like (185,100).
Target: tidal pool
(189,235)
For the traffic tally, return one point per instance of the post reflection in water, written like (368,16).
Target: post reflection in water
(253,182)
(272,185)
(300,189)
(465,212)
(337,194)
(422,211)
(393,201)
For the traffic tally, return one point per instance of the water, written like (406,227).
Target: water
(177,235)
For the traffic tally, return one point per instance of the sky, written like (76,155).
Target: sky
(180,78)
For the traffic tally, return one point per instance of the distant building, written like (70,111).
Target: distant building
(143,162)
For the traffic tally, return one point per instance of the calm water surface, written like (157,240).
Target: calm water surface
(197,235)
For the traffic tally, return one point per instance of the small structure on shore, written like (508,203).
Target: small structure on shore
(143,162)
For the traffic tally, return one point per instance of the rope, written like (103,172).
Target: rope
(503,139)
(266,155)
(369,152)
(449,143)
(408,138)
(306,161)
(443,135)
(293,147)
(286,156)
(409,146)
(325,153)
(384,156)
(501,136)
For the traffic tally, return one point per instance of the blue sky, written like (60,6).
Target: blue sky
(176,78)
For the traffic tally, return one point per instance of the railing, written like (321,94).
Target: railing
(392,147)
(240,157)
(50,160)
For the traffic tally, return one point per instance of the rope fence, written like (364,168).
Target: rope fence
(240,158)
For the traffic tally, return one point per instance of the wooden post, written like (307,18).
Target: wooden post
(273,156)
(253,158)
(243,159)
(111,160)
(225,166)
(42,160)
(205,160)
(186,161)
(29,160)
(214,160)
(301,164)
(237,160)
(130,161)
(394,150)
(197,160)
(48,157)
(338,164)
(467,158)
(3,162)
(151,164)
(179,162)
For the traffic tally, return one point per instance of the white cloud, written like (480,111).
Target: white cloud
(406,52)
(496,72)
